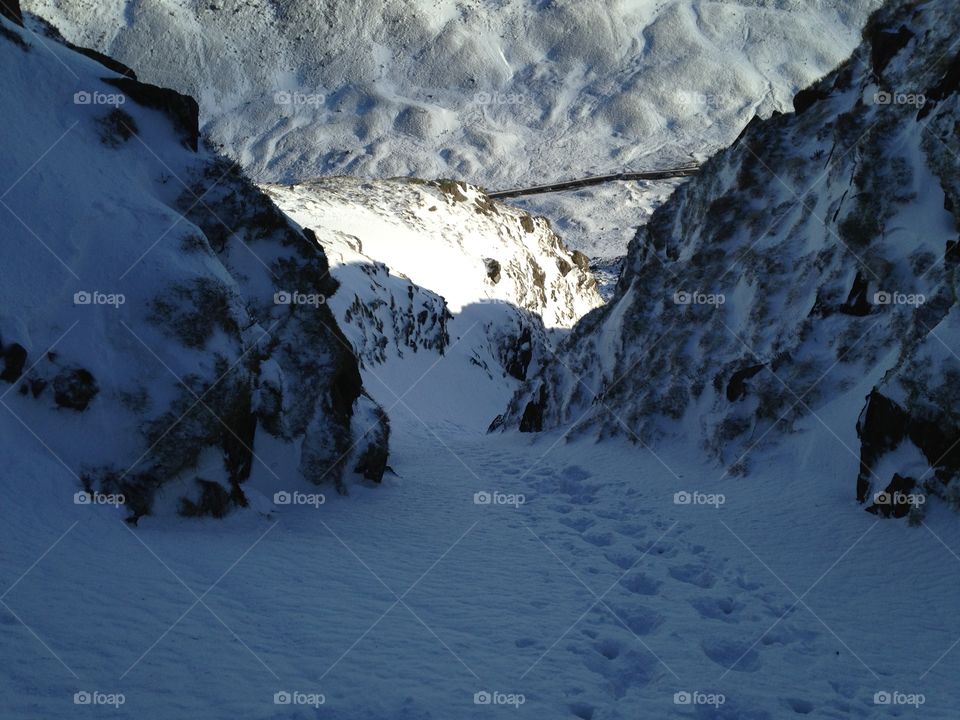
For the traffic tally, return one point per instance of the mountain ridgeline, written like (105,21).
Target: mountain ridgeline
(809,272)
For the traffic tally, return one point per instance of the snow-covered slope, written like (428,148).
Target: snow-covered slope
(811,263)
(144,344)
(437,269)
(500,94)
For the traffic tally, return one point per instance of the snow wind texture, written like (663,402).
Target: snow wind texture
(501,95)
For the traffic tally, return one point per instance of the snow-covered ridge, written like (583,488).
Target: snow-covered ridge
(142,301)
(450,238)
(426,267)
(809,265)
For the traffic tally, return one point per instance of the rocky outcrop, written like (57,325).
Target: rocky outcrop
(182,110)
(10,9)
(209,347)
(813,253)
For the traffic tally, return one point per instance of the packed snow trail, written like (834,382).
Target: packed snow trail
(597,597)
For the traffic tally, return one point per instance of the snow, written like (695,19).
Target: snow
(586,588)
(432,598)
(502,95)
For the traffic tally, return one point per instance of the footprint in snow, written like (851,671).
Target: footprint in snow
(732,654)
(693,575)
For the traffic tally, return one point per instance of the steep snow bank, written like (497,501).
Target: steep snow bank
(816,254)
(143,343)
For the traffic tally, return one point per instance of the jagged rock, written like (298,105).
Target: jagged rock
(181,109)
(74,388)
(214,501)
(807,97)
(493,270)
(14,358)
(532,420)
(885,44)
(732,275)
(10,9)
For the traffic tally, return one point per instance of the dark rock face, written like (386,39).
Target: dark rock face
(74,388)
(181,109)
(493,270)
(895,499)
(214,501)
(532,420)
(519,354)
(881,428)
(737,386)
(14,358)
(806,98)
(10,9)
(580,260)
(885,44)
(884,425)
(947,86)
